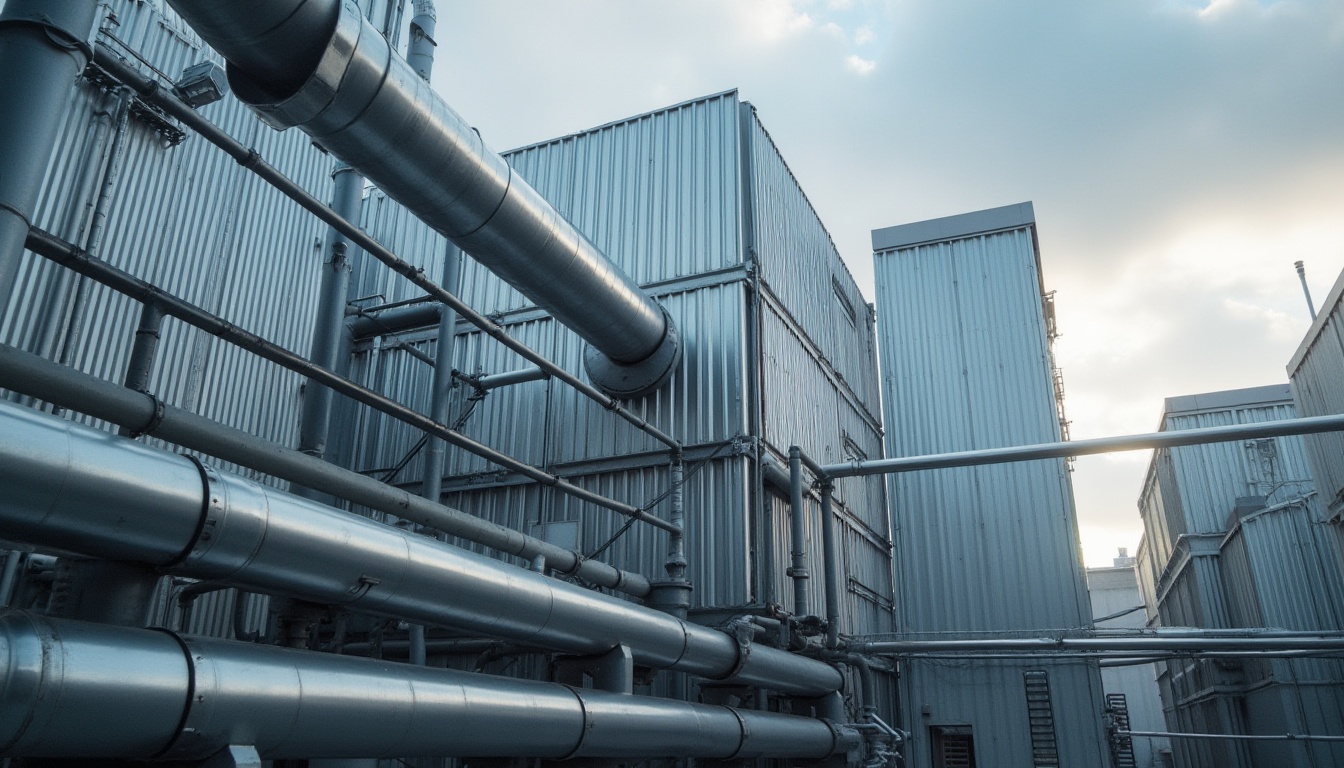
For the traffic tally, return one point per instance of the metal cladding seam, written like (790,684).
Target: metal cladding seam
(366,105)
(68,486)
(64,685)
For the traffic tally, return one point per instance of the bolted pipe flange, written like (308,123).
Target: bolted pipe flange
(639,379)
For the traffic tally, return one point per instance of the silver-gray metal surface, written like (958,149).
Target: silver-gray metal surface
(31,375)
(72,487)
(43,48)
(364,103)
(195,696)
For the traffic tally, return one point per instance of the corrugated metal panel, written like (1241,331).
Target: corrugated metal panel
(191,220)
(658,193)
(990,697)
(1317,373)
(1211,477)
(801,266)
(965,365)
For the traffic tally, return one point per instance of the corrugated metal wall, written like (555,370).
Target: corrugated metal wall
(664,195)
(1317,374)
(965,365)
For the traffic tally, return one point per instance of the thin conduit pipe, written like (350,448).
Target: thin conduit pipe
(1230,736)
(194,697)
(74,488)
(28,374)
(50,247)
(151,92)
(1301,642)
(1069,448)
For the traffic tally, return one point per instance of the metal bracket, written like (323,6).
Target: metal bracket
(612,671)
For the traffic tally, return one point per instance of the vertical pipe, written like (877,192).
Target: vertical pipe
(43,49)
(830,555)
(97,226)
(329,327)
(1302,275)
(676,540)
(420,50)
(147,333)
(420,53)
(9,575)
(797,532)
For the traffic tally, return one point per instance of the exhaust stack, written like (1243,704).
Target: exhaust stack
(319,66)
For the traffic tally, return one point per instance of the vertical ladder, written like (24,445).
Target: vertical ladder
(1122,747)
(1040,715)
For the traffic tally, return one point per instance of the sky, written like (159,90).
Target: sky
(1180,154)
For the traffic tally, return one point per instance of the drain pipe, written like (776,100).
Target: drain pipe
(797,533)
(44,47)
(71,487)
(196,697)
(329,327)
(831,560)
(97,226)
(319,65)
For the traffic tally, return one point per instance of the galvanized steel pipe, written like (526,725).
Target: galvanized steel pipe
(44,47)
(1069,448)
(194,697)
(360,100)
(80,490)
(139,413)
(153,93)
(797,533)
(1297,642)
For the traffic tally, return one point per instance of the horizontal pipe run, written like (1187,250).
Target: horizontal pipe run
(1230,736)
(153,93)
(140,413)
(1071,448)
(71,257)
(194,697)
(1305,642)
(73,488)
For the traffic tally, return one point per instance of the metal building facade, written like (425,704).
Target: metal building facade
(696,203)
(963,328)
(1317,375)
(1233,540)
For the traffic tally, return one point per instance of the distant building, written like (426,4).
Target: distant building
(1232,539)
(964,331)
(1117,603)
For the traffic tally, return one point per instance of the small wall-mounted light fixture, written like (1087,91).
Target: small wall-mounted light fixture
(201,84)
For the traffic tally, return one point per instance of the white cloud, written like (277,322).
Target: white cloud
(864,35)
(860,65)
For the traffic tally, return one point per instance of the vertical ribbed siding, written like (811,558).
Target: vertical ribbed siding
(965,366)
(1317,374)
(656,193)
(802,268)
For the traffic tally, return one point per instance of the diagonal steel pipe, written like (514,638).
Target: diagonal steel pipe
(320,66)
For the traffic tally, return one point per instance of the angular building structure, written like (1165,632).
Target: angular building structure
(1233,539)
(964,337)
(603,515)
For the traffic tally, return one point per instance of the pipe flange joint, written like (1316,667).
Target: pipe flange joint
(321,87)
(631,380)
(232,528)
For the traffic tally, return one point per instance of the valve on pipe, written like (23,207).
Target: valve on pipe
(320,66)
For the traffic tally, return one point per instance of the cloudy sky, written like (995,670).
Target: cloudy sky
(1181,156)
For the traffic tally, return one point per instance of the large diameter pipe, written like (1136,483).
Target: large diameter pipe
(44,47)
(1068,448)
(80,490)
(66,685)
(140,413)
(369,107)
